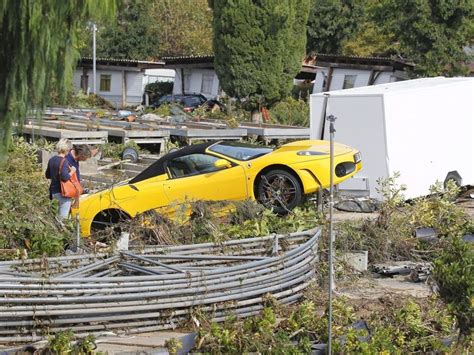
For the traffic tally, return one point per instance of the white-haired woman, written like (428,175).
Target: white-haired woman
(55,164)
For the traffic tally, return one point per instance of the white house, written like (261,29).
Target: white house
(195,74)
(120,81)
(335,72)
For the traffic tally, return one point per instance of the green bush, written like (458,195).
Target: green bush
(81,99)
(454,274)
(27,216)
(302,91)
(291,112)
(390,235)
(404,326)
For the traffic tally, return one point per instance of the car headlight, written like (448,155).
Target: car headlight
(357,157)
(309,153)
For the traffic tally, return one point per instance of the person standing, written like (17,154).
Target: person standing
(78,153)
(59,170)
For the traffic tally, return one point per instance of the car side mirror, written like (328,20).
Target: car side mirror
(222,164)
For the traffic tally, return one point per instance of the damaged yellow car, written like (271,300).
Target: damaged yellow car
(220,171)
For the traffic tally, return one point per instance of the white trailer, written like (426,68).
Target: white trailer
(421,128)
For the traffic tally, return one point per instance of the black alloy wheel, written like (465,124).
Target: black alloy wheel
(280,191)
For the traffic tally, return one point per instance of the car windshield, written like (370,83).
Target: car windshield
(240,151)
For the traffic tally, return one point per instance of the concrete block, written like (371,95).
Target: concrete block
(357,259)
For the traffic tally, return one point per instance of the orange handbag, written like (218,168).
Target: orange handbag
(71,188)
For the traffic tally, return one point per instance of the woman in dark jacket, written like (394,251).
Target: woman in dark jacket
(52,172)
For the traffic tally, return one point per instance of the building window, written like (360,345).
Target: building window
(207,82)
(105,80)
(349,81)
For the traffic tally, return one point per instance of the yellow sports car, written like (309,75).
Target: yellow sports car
(219,171)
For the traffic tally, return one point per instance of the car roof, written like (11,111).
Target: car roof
(158,167)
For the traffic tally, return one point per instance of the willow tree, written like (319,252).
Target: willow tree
(38,52)
(259,47)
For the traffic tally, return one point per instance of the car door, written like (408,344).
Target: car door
(194,178)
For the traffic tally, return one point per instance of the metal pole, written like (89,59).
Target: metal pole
(78,233)
(323,121)
(94,30)
(331,120)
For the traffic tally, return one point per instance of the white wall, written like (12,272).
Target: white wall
(196,76)
(134,85)
(362,78)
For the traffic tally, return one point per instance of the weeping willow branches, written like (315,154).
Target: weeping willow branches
(38,52)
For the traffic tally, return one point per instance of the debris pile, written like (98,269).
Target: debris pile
(156,289)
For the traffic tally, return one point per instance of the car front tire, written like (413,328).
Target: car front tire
(279,190)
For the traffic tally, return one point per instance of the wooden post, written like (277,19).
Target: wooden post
(124,88)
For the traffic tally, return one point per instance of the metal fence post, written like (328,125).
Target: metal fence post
(332,130)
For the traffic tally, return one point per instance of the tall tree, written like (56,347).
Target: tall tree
(331,22)
(184,26)
(369,39)
(432,33)
(150,29)
(259,46)
(38,51)
(133,36)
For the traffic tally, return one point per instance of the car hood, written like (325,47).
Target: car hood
(319,146)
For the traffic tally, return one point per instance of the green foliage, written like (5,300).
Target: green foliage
(302,90)
(390,235)
(370,40)
(454,275)
(40,53)
(258,47)
(431,33)
(163,111)
(261,334)
(114,150)
(331,22)
(173,345)
(440,212)
(402,326)
(151,29)
(27,216)
(291,112)
(266,222)
(63,343)
(82,100)
(183,29)
(133,36)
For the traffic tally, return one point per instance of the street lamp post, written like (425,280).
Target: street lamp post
(94,74)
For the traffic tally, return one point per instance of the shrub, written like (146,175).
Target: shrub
(291,112)
(390,235)
(27,216)
(81,99)
(454,274)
